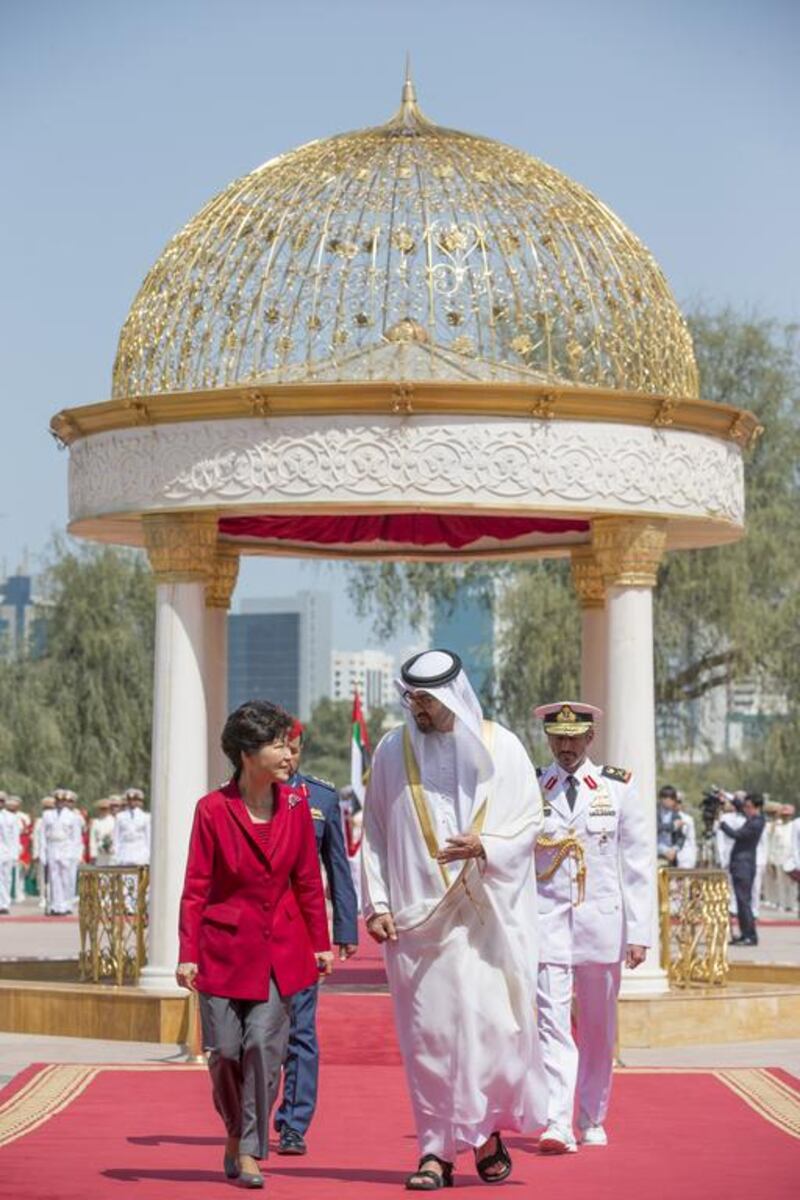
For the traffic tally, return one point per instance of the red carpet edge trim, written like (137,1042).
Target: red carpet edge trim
(767,1095)
(50,1091)
(53,1088)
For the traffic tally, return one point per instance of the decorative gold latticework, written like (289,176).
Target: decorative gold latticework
(694,925)
(112,907)
(406,251)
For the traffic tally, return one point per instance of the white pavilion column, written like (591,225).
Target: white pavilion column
(180,547)
(587,579)
(629,551)
(219,590)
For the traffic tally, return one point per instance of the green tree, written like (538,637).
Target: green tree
(326,745)
(80,715)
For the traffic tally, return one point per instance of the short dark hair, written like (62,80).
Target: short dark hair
(252,725)
(667,790)
(755,799)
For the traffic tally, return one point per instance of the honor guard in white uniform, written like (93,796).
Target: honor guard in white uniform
(132,832)
(37,850)
(594,874)
(9,852)
(61,851)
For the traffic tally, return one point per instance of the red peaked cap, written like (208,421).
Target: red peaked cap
(297,730)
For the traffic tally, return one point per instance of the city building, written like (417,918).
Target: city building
(21,627)
(726,720)
(279,648)
(368,672)
(466,625)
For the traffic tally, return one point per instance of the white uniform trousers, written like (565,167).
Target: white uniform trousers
(582,1064)
(41,883)
(755,899)
(785,890)
(6,871)
(62,886)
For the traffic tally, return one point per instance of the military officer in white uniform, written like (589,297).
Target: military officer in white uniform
(61,851)
(594,874)
(38,851)
(132,832)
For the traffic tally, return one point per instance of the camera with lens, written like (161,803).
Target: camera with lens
(711,804)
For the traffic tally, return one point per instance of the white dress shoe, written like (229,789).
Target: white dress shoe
(594,1135)
(556,1140)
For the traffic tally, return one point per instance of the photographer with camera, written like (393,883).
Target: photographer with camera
(743,865)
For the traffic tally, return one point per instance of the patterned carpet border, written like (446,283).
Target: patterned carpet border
(53,1088)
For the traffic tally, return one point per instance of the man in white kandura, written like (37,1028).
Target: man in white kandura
(594,870)
(451,815)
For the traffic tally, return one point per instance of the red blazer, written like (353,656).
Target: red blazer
(232,890)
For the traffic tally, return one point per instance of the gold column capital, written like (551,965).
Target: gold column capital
(181,546)
(223,576)
(587,578)
(629,550)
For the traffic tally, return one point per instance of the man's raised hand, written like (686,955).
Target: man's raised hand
(465,845)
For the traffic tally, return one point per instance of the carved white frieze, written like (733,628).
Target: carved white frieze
(481,462)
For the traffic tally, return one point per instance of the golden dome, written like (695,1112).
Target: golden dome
(406,251)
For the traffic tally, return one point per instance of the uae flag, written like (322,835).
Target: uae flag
(359,750)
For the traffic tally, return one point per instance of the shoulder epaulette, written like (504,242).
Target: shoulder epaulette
(326,783)
(618,773)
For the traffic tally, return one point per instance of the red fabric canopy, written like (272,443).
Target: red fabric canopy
(408,529)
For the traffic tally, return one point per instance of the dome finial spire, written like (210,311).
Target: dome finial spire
(408,95)
(408,119)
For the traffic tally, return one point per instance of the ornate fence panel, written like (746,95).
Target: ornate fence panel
(694,926)
(113,922)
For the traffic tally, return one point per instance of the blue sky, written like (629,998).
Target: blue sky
(121,119)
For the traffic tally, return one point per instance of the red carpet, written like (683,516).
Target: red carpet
(150,1132)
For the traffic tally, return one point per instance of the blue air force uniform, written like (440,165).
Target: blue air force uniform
(301,1065)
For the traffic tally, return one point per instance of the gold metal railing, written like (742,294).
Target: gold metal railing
(693,908)
(112,909)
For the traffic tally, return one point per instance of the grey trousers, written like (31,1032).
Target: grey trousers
(246,1041)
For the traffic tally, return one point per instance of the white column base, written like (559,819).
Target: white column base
(647,980)
(159,979)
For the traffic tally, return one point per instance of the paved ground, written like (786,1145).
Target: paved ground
(17,1050)
(26,933)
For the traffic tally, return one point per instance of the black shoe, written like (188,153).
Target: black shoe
(291,1142)
(737,941)
(751,941)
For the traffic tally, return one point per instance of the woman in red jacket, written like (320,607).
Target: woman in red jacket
(251,842)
